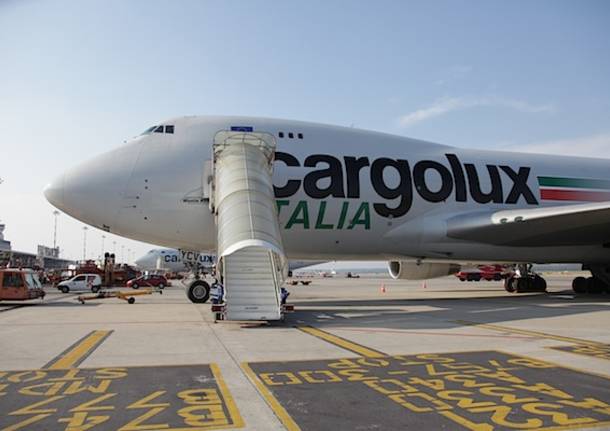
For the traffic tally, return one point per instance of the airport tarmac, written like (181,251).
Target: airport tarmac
(362,354)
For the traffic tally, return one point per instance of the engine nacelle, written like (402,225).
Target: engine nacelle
(420,271)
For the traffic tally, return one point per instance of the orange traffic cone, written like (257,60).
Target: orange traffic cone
(382,288)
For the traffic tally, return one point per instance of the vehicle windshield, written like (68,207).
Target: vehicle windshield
(32,281)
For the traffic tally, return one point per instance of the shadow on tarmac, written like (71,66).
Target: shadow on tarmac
(438,313)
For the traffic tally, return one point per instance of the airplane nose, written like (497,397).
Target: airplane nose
(93,191)
(54,192)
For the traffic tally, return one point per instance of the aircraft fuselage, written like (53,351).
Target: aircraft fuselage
(341,193)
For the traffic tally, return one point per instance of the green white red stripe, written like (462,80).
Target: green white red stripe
(574,189)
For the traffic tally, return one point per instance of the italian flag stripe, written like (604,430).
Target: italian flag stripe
(577,183)
(574,195)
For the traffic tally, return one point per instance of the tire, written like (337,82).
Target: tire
(508,285)
(134,285)
(540,284)
(595,286)
(199,292)
(64,289)
(95,289)
(161,286)
(131,300)
(579,285)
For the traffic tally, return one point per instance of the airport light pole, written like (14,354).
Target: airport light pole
(55,214)
(102,254)
(85,228)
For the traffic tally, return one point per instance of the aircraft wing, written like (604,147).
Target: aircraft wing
(581,224)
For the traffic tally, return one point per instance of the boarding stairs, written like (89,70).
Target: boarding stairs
(251,260)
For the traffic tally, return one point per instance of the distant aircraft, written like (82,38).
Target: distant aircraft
(260,191)
(173,260)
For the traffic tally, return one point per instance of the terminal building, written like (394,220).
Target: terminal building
(45,257)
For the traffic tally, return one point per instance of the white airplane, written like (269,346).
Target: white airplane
(174,260)
(337,193)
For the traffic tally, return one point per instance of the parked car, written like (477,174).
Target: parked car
(150,280)
(80,282)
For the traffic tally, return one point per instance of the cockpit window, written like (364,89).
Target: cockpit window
(159,129)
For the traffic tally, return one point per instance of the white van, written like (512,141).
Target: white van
(81,282)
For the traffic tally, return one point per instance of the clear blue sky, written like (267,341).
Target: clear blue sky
(78,77)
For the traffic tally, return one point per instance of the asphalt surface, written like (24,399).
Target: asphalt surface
(362,353)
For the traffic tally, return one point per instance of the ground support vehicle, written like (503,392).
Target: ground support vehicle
(125,295)
(19,285)
(80,282)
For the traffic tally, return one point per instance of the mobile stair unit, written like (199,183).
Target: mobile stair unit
(251,259)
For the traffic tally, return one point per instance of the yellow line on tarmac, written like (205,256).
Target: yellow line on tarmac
(275,405)
(75,355)
(238,421)
(531,333)
(342,342)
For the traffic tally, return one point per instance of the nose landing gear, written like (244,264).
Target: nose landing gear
(524,280)
(198,291)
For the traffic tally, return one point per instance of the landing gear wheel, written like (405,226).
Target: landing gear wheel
(131,300)
(65,289)
(595,285)
(520,284)
(198,292)
(539,284)
(579,285)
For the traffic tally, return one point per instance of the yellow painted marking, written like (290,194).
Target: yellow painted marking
(28,421)
(531,333)
(238,422)
(33,409)
(345,344)
(473,426)
(73,356)
(588,350)
(556,365)
(90,406)
(144,402)
(137,425)
(277,408)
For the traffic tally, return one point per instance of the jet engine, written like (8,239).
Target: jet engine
(420,271)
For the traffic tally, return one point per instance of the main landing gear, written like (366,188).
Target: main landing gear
(524,280)
(598,283)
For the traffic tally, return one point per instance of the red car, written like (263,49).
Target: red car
(151,280)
